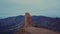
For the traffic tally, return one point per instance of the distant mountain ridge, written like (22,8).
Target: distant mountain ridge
(12,23)
(47,22)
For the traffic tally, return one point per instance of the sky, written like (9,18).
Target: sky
(9,8)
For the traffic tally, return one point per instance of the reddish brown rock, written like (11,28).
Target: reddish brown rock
(28,20)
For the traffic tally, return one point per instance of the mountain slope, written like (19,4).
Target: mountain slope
(13,23)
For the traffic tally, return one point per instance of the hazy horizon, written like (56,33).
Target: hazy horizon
(9,8)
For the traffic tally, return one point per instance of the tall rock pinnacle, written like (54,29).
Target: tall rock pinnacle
(28,19)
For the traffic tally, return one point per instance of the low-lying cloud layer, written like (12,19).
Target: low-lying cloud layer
(35,7)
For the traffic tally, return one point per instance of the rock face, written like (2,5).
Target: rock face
(28,28)
(28,20)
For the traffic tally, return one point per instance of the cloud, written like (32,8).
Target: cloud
(35,7)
